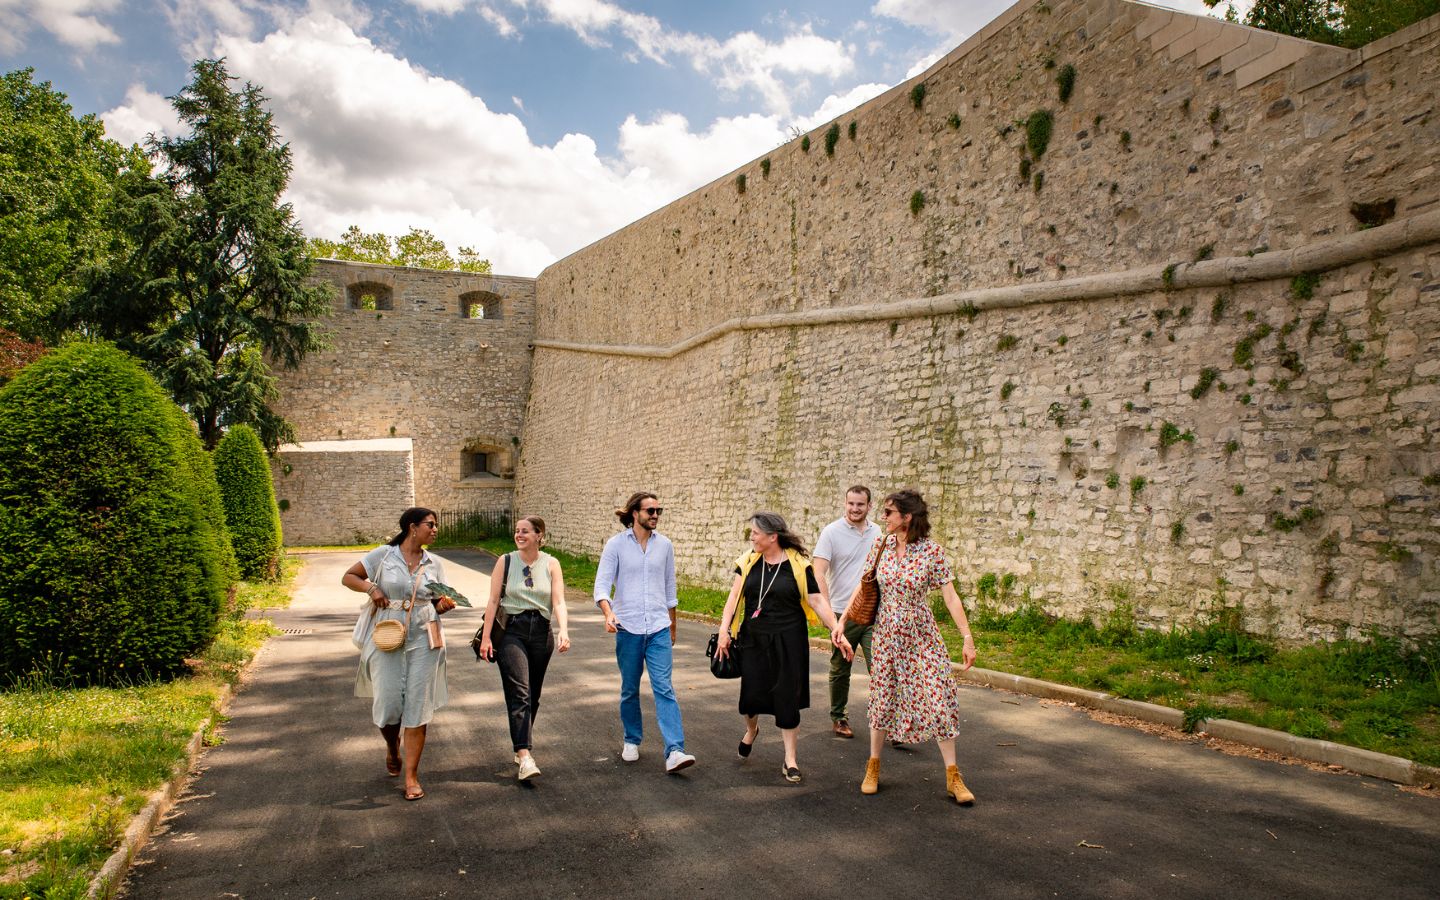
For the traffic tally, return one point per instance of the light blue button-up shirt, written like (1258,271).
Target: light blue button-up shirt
(643,581)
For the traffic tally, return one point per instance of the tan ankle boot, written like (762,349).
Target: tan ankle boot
(871,784)
(955,786)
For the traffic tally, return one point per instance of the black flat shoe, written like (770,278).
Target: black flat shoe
(744,748)
(791,774)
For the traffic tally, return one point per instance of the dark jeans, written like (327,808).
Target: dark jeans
(859,638)
(523,656)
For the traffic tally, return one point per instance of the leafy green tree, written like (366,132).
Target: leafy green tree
(249,498)
(57,180)
(114,559)
(214,289)
(1345,23)
(418,247)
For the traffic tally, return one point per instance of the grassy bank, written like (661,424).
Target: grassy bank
(76,764)
(1374,694)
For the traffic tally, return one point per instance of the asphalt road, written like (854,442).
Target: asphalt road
(296,804)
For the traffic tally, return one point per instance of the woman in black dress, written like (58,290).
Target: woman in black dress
(771,632)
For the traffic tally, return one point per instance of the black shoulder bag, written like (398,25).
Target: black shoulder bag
(497,633)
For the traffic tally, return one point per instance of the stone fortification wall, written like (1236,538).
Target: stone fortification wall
(320,507)
(416,367)
(1090,408)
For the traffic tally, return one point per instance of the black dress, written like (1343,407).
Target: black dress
(775,680)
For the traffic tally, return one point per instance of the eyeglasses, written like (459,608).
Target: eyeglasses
(529,580)
(653,511)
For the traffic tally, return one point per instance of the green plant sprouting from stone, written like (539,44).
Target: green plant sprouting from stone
(917,95)
(1038,127)
(740,183)
(917,202)
(1208,377)
(1065,80)
(832,137)
(765,167)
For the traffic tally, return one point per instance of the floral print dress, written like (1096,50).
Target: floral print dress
(912,693)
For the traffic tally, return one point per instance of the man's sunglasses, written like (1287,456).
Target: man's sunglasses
(653,511)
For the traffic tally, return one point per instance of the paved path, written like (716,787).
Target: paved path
(295,803)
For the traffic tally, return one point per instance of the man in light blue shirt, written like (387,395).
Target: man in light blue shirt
(639,566)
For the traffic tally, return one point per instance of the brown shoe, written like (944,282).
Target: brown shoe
(871,784)
(842,729)
(955,786)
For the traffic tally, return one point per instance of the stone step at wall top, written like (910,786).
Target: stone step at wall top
(1227,40)
(1205,31)
(1285,54)
(1178,28)
(1253,49)
(1155,19)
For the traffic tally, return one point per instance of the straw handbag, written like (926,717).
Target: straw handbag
(390,634)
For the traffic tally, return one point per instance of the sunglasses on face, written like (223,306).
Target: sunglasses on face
(652,511)
(430,524)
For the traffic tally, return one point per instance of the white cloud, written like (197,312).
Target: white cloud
(837,105)
(381,143)
(744,61)
(519,104)
(952,21)
(503,26)
(75,23)
(143,113)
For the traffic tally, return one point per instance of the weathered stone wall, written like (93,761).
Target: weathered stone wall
(319,506)
(418,370)
(1303,482)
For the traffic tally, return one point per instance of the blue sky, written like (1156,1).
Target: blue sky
(523,128)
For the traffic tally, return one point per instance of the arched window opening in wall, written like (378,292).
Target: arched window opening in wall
(368,295)
(480,305)
(482,459)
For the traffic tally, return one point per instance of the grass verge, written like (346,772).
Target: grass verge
(76,764)
(1374,694)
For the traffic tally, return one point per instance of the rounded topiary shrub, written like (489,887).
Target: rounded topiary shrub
(114,561)
(249,498)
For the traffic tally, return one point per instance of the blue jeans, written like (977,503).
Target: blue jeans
(635,653)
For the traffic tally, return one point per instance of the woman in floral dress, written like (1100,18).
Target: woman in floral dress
(913,696)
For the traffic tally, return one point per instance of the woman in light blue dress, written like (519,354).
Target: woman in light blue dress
(407,684)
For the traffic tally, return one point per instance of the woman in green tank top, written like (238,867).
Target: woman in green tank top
(534,594)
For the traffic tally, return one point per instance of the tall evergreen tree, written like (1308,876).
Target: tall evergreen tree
(214,290)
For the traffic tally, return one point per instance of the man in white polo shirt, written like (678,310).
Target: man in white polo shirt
(839,559)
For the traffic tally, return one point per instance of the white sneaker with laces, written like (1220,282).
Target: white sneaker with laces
(528,769)
(630,752)
(677,760)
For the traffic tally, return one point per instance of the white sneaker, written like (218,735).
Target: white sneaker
(630,752)
(677,760)
(528,769)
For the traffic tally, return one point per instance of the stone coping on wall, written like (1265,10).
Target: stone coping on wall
(373,445)
(1331,253)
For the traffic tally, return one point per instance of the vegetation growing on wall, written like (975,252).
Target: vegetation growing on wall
(1065,80)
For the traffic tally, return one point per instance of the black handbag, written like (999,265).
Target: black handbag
(727,666)
(497,633)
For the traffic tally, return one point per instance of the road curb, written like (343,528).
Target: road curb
(1329,753)
(112,874)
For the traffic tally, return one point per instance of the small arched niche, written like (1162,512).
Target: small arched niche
(369,295)
(484,459)
(480,305)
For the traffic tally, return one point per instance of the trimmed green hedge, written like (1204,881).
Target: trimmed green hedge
(114,558)
(249,498)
